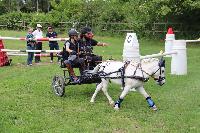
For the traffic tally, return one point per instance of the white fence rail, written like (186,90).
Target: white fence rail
(38,39)
(43,51)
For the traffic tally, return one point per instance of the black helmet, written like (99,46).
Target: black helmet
(86,30)
(72,32)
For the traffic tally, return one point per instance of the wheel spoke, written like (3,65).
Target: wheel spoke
(58,85)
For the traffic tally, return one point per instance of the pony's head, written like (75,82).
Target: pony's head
(155,69)
(159,72)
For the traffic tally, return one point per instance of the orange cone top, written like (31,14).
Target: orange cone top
(170,31)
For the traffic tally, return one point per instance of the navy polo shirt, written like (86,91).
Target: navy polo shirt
(50,35)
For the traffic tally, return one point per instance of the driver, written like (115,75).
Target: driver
(72,46)
(87,42)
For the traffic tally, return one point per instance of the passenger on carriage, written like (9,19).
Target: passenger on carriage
(72,58)
(86,47)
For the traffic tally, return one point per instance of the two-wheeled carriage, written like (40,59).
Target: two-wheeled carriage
(59,83)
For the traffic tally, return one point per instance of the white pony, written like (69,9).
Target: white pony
(129,75)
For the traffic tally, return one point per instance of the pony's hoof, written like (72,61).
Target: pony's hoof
(154,108)
(91,101)
(116,107)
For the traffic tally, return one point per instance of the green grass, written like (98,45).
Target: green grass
(27,103)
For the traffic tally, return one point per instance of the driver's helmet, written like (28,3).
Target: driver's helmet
(72,32)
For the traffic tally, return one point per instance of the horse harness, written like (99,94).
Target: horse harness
(121,70)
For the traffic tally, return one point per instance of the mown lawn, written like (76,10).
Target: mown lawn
(27,103)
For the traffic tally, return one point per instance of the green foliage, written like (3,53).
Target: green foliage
(3,9)
(104,14)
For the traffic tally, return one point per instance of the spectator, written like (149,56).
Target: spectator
(38,34)
(30,46)
(52,44)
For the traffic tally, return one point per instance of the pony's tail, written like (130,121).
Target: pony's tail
(96,69)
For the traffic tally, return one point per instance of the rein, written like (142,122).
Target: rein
(104,75)
(122,71)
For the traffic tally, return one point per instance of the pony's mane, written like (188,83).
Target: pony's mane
(144,61)
(149,60)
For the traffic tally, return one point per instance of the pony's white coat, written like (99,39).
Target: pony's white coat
(148,67)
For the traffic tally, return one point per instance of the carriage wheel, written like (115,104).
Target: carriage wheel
(58,85)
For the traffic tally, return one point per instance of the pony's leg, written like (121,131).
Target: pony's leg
(98,88)
(123,94)
(148,98)
(105,91)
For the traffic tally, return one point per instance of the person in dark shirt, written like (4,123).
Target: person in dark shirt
(86,46)
(52,44)
(72,48)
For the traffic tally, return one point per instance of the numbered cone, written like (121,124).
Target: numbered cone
(131,48)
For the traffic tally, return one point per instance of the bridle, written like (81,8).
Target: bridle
(160,78)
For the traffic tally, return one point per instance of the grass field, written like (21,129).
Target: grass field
(27,103)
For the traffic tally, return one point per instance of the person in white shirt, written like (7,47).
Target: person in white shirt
(38,34)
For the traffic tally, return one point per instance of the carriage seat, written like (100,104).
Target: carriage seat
(63,66)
